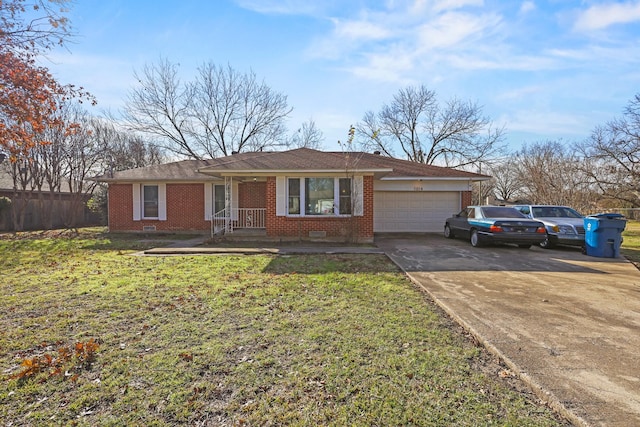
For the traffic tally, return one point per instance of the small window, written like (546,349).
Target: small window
(150,201)
(218,198)
(344,197)
(294,196)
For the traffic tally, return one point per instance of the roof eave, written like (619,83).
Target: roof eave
(435,178)
(209,171)
(204,178)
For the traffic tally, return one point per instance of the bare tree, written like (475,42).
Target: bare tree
(505,179)
(551,173)
(44,27)
(454,135)
(307,136)
(160,107)
(83,159)
(220,112)
(123,150)
(612,156)
(22,187)
(72,156)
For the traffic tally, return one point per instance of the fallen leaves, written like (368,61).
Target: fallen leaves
(65,359)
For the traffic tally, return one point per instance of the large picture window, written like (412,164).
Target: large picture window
(321,196)
(150,201)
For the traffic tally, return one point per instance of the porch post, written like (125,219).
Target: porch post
(228,186)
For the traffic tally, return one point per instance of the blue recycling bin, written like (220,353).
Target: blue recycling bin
(603,234)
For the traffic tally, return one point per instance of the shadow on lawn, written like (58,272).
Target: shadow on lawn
(90,238)
(331,263)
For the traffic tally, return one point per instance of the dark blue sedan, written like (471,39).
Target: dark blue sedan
(495,224)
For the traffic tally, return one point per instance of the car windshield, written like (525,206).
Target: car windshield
(554,212)
(501,212)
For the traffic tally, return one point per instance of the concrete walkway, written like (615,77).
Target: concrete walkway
(565,323)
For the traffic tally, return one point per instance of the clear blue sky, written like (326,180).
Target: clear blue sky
(549,69)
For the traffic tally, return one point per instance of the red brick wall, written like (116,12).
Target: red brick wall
(121,207)
(185,209)
(252,195)
(356,228)
(465,199)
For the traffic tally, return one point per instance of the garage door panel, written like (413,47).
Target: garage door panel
(413,211)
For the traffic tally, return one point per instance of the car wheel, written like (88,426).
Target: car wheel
(547,243)
(447,232)
(524,246)
(475,239)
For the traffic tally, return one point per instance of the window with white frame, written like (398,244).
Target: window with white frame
(293,192)
(321,196)
(344,195)
(218,199)
(150,199)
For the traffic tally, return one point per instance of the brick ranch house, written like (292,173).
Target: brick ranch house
(299,194)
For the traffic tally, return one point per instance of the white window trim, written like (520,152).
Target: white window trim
(138,203)
(208,201)
(357,196)
(282,197)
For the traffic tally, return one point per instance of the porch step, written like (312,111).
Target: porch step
(240,234)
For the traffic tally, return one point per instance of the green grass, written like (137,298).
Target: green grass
(237,340)
(631,242)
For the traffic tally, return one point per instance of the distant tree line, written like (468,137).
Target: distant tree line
(601,172)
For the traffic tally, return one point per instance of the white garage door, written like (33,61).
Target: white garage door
(396,211)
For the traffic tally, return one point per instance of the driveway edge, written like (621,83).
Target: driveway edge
(544,395)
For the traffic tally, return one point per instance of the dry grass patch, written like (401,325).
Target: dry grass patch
(227,340)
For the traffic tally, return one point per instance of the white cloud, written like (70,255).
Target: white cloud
(281,7)
(387,67)
(521,93)
(451,29)
(359,30)
(444,5)
(601,16)
(527,6)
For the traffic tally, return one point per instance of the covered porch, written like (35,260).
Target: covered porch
(238,206)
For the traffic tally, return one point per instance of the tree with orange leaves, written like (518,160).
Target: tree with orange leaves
(29,94)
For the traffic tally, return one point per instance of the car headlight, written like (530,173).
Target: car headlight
(566,229)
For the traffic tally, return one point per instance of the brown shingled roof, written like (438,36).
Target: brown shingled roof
(308,159)
(300,159)
(185,170)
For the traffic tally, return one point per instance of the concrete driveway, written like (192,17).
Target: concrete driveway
(567,323)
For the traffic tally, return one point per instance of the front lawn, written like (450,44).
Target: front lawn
(631,242)
(92,335)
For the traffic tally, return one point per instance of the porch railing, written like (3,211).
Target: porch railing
(226,221)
